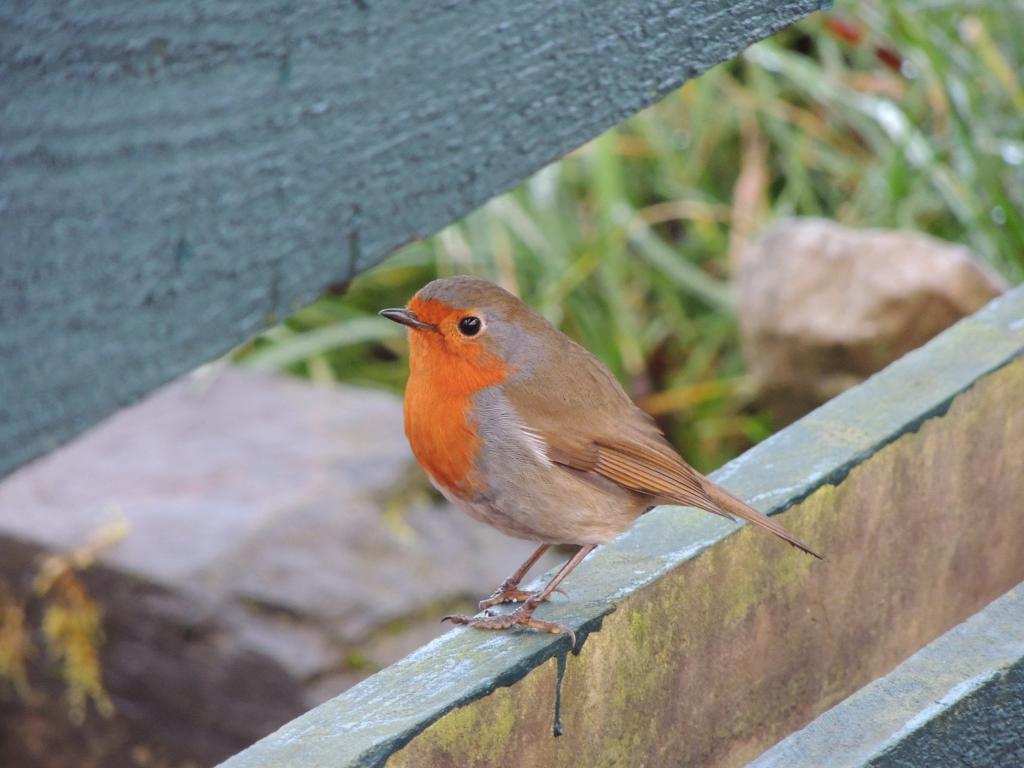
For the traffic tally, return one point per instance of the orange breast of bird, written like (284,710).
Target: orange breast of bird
(439,402)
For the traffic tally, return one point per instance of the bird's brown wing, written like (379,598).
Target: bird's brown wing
(633,465)
(655,470)
(593,426)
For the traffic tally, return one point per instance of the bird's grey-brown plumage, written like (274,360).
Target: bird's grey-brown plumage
(527,431)
(561,405)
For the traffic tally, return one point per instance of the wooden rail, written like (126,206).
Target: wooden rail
(704,644)
(957,701)
(176,175)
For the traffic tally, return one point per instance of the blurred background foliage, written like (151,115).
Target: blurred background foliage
(879,114)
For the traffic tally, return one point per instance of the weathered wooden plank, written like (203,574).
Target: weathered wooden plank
(175,175)
(957,701)
(698,647)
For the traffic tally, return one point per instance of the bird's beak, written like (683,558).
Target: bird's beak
(407,317)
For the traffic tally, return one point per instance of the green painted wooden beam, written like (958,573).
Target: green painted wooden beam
(176,175)
(957,701)
(704,643)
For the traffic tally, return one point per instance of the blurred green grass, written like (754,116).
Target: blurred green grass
(879,114)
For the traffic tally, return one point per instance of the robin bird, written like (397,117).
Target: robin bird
(525,430)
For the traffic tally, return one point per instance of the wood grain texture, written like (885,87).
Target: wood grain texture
(173,175)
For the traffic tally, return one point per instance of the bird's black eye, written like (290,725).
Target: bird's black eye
(470,326)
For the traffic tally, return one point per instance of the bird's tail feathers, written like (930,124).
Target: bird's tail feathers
(734,506)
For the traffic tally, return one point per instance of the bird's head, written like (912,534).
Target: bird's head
(466,323)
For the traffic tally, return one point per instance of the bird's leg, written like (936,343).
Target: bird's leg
(523,615)
(509,591)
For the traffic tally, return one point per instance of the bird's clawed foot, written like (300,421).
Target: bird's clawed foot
(508,593)
(520,617)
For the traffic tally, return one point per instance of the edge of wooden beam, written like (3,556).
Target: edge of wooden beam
(957,701)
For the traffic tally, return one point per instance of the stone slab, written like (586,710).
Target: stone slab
(823,305)
(280,545)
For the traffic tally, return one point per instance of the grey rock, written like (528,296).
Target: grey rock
(277,552)
(823,306)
